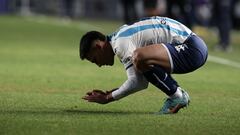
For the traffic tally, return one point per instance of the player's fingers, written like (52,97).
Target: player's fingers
(85,97)
(92,99)
(98,91)
(89,93)
(89,98)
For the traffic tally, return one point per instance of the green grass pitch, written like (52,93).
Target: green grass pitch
(42,81)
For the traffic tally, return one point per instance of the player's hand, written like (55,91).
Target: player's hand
(98,96)
(110,91)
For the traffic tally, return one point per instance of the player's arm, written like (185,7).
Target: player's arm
(134,83)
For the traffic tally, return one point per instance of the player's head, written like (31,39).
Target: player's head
(87,42)
(95,48)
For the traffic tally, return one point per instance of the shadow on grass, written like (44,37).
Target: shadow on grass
(106,112)
(70,111)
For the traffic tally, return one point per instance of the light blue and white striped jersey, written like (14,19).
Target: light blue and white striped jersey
(154,30)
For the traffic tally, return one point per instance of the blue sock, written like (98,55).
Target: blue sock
(161,79)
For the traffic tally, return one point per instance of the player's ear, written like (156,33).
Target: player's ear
(99,44)
(95,44)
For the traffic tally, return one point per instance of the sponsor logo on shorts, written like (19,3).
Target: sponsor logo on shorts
(180,48)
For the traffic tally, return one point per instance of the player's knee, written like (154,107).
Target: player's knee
(138,60)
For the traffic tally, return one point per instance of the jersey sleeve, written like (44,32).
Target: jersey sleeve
(124,50)
(135,82)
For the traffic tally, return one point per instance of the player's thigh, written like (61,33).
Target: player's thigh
(153,55)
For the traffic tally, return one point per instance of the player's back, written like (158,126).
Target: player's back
(154,30)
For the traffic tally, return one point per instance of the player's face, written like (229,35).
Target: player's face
(98,54)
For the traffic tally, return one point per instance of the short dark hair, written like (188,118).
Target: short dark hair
(87,40)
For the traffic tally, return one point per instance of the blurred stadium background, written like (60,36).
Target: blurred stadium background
(42,78)
(113,9)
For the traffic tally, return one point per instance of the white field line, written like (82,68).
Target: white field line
(223,61)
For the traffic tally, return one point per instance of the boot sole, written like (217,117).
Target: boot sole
(177,108)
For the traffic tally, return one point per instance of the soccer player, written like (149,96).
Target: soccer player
(150,50)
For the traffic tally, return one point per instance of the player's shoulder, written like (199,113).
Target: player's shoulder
(120,45)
